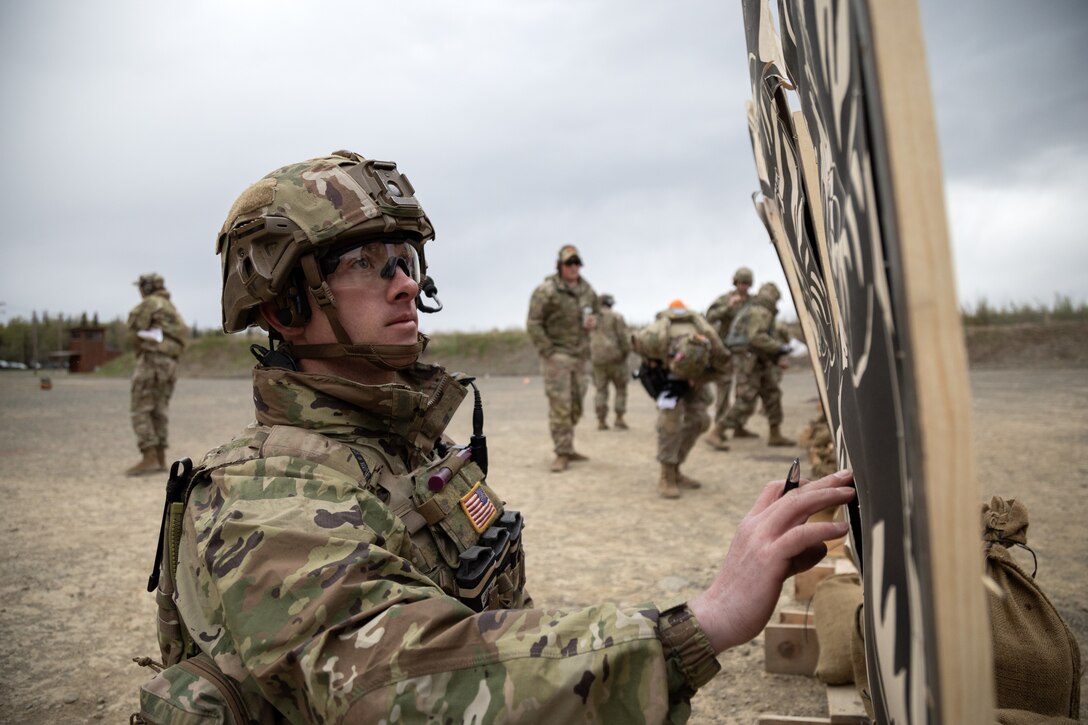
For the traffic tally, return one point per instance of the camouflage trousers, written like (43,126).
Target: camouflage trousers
(565,382)
(152,385)
(723,385)
(756,379)
(615,374)
(679,428)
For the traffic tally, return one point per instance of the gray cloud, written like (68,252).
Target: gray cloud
(619,127)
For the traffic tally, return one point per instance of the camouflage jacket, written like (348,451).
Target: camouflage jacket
(556,314)
(304,583)
(610,341)
(156,310)
(721,312)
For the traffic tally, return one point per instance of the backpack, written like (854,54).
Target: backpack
(737,337)
(680,341)
(187,687)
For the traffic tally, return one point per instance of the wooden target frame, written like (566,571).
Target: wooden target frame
(851,195)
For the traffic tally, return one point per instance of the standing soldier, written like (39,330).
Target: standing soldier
(562,312)
(720,315)
(609,346)
(753,340)
(158,336)
(341,560)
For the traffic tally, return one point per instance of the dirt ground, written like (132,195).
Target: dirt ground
(78,537)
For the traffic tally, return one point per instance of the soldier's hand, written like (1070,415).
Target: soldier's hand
(591,322)
(775,540)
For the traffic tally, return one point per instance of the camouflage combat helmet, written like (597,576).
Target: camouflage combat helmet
(742,275)
(279,230)
(769,290)
(149,283)
(608,300)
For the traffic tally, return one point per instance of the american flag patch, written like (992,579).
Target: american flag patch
(479,508)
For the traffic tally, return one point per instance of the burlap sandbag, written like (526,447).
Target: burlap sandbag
(835,602)
(857,661)
(1036,657)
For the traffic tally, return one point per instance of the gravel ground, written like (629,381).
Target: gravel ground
(78,537)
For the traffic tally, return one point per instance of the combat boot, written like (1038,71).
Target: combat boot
(777,439)
(619,424)
(716,439)
(149,464)
(686,481)
(602,424)
(667,487)
(560,463)
(160,456)
(741,432)
(576,456)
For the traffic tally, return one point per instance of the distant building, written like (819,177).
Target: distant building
(87,349)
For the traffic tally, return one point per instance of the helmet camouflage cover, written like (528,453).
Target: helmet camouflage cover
(314,206)
(769,290)
(150,282)
(743,275)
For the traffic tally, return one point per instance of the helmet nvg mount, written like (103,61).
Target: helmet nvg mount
(281,227)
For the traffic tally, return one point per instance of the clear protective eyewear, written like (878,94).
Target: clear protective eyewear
(371,261)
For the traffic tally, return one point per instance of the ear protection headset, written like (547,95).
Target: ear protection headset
(292,307)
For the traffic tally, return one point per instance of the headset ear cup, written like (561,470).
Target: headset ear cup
(292,308)
(287,317)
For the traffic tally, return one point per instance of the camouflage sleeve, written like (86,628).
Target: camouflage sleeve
(623,335)
(302,585)
(535,324)
(717,310)
(760,338)
(591,299)
(140,316)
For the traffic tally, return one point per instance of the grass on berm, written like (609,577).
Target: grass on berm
(1009,335)
(216,355)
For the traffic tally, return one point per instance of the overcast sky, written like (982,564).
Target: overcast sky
(615,125)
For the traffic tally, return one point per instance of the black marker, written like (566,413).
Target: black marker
(793,478)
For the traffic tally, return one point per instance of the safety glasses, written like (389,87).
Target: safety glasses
(373,261)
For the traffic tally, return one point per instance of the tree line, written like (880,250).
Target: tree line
(31,341)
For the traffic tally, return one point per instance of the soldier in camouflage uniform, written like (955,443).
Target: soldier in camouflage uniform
(720,315)
(335,559)
(158,336)
(681,342)
(562,312)
(753,341)
(609,346)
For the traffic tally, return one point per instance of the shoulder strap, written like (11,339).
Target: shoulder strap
(174,640)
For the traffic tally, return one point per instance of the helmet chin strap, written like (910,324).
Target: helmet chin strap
(385,357)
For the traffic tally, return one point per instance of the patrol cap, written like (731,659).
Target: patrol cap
(568,252)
